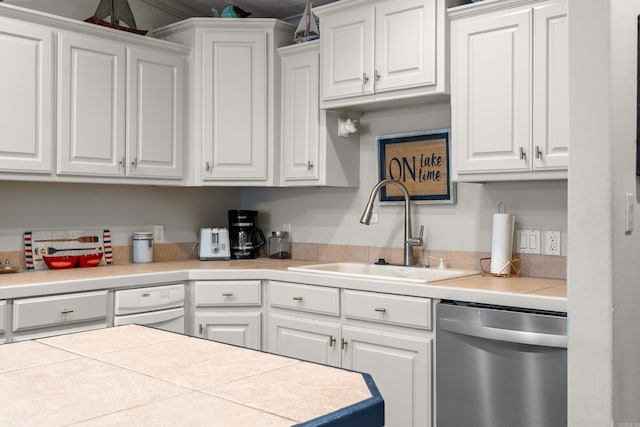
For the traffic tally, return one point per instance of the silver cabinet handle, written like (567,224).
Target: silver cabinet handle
(66,310)
(343,343)
(523,154)
(134,163)
(507,335)
(538,152)
(297,298)
(207,167)
(309,165)
(227,294)
(380,309)
(376,75)
(332,341)
(365,78)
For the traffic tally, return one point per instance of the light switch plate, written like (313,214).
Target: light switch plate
(528,242)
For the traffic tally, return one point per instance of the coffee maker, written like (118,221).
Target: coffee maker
(244,234)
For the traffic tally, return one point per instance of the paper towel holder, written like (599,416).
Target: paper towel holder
(514,263)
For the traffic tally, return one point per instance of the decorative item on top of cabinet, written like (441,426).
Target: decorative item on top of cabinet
(509,93)
(117,10)
(391,51)
(313,151)
(234,85)
(307,29)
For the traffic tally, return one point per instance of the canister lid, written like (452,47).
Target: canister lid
(280,233)
(142,235)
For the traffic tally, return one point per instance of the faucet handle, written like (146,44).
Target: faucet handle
(416,241)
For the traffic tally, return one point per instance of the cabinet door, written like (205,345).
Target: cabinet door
(155,112)
(401,368)
(235,106)
(311,340)
(405,44)
(241,329)
(91,115)
(300,116)
(491,78)
(347,53)
(26,132)
(550,86)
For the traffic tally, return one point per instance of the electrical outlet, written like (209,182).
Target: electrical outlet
(552,242)
(158,233)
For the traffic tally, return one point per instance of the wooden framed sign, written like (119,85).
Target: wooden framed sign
(419,160)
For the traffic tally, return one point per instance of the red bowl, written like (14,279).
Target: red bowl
(59,262)
(90,260)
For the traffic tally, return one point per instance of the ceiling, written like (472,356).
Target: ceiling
(282,9)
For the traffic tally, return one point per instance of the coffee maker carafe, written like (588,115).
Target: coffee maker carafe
(244,234)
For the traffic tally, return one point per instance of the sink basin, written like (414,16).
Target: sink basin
(386,272)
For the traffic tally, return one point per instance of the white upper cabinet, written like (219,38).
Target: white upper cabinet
(155,105)
(235,131)
(509,94)
(234,83)
(382,51)
(312,152)
(91,108)
(116,100)
(120,109)
(26,109)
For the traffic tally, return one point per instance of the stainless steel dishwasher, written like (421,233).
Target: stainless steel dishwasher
(500,366)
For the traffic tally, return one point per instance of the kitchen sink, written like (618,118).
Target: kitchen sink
(415,274)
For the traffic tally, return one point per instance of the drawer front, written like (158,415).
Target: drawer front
(55,310)
(315,299)
(228,293)
(392,309)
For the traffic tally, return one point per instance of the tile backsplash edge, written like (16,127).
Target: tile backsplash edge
(547,266)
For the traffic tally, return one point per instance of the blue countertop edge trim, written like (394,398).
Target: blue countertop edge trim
(369,412)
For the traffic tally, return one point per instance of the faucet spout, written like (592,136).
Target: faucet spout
(409,241)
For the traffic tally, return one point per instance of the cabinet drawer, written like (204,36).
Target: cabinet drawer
(316,299)
(56,310)
(228,293)
(392,309)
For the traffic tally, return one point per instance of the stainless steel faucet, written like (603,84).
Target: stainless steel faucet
(409,242)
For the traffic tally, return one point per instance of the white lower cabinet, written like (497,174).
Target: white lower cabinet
(229,311)
(59,314)
(386,336)
(3,313)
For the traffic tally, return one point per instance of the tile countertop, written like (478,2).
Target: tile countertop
(135,375)
(528,292)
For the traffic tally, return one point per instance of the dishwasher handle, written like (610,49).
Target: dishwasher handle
(507,335)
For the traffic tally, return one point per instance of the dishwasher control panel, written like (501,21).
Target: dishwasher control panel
(139,300)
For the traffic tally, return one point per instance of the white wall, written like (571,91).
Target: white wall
(121,208)
(331,215)
(626,269)
(603,269)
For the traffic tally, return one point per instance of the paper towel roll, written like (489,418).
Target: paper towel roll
(502,243)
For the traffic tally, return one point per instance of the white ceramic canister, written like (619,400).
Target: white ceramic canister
(142,247)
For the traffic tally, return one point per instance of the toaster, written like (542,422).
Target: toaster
(214,244)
